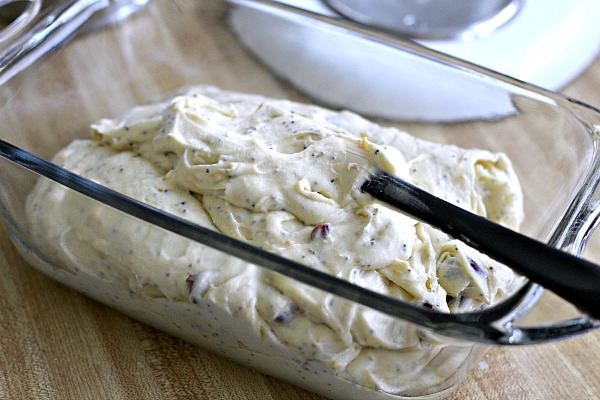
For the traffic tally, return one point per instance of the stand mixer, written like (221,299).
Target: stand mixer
(543,43)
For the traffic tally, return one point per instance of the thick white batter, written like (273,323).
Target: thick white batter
(283,176)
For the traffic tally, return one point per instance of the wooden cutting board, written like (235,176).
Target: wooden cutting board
(58,344)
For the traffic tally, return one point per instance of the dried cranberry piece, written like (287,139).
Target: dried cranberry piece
(190,281)
(321,231)
(475,266)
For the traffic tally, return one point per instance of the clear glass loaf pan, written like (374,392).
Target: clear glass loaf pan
(67,64)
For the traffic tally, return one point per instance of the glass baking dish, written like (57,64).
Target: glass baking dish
(75,62)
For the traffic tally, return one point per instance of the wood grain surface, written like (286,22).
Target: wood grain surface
(57,344)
